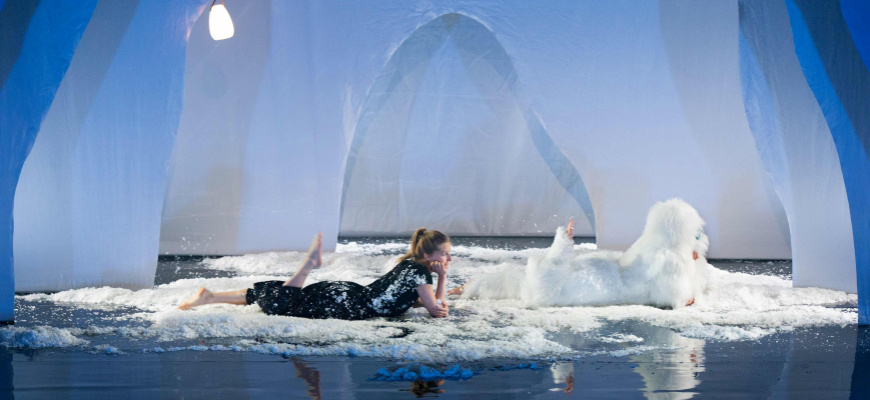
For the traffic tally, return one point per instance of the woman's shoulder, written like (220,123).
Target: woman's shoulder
(415,268)
(411,264)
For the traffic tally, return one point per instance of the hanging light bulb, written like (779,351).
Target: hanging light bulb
(220,25)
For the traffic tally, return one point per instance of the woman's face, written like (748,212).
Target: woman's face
(442,254)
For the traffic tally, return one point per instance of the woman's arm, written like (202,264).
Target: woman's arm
(441,270)
(439,293)
(427,297)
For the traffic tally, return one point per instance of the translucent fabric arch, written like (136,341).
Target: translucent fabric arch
(34,61)
(796,147)
(91,192)
(446,139)
(831,61)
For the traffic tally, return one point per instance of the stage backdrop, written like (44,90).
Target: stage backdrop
(503,118)
(473,117)
(477,118)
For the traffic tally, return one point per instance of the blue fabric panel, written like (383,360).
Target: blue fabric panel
(43,250)
(797,148)
(762,116)
(857,16)
(838,55)
(47,48)
(853,158)
(14,21)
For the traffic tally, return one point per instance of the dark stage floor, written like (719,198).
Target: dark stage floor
(60,349)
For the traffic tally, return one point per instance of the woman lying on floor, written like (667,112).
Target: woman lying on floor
(407,285)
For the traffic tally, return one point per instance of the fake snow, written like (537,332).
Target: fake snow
(734,307)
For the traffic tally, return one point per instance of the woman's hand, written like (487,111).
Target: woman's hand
(435,307)
(439,311)
(439,268)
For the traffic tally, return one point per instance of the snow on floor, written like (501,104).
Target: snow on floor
(736,306)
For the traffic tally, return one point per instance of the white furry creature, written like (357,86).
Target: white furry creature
(665,267)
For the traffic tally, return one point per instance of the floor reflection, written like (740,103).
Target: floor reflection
(563,374)
(860,387)
(807,363)
(311,376)
(421,388)
(669,374)
(6,374)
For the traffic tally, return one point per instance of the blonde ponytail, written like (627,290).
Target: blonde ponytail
(424,242)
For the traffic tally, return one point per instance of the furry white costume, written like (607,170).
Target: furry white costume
(658,269)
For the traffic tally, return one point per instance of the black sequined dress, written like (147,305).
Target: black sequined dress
(389,296)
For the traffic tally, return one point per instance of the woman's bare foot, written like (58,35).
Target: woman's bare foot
(458,291)
(202,296)
(313,258)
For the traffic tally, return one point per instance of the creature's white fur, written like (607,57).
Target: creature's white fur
(657,269)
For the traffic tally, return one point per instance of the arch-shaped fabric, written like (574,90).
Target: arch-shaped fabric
(840,82)
(38,54)
(447,139)
(797,148)
(92,190)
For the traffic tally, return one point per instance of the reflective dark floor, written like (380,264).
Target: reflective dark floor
(823,363)
(826,362)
